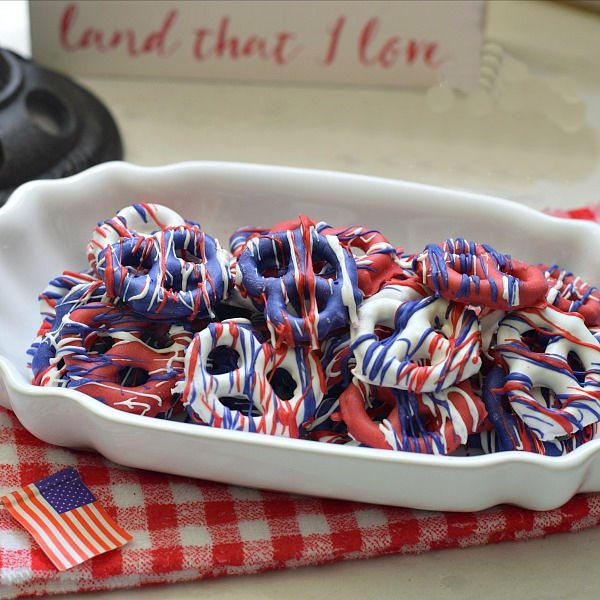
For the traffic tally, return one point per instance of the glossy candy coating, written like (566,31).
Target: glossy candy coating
(326,333)
(45,351)
(137,220)
(508,432)
(434,345)
(282,272)
(241,236)
(571,294)
(477,274)
(179,273)
(56,290)
(104,350)
(426,423)
(131,375)
(553,364)
(249,377)
(376,259)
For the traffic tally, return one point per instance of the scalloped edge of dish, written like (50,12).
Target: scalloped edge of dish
(577,471)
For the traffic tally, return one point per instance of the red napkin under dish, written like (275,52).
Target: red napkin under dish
(186,530)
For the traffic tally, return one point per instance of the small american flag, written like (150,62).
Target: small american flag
(65,519)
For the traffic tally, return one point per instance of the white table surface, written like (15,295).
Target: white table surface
(392,133)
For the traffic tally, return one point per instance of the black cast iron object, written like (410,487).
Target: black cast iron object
(50,127)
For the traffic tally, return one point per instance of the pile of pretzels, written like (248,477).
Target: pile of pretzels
(326,333)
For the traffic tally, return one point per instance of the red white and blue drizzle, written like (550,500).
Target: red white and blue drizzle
(326,333)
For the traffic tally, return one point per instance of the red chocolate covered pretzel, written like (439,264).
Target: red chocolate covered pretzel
(571,294)
(116,365)
(436,423)
(377,265)
(477,274)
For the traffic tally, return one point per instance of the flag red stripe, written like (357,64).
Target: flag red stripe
(99,525)
(70,537)
(71,533)
(91,531)
(93,550)
(30,521)
(72,550)
(111,523)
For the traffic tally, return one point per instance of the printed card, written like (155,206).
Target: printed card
(389,43)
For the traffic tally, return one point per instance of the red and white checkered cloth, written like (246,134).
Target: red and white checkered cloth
(186,529)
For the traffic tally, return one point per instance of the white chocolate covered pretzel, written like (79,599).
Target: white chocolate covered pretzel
(435,344)
(553,379)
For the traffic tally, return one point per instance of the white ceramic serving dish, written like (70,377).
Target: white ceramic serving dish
(44,229)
